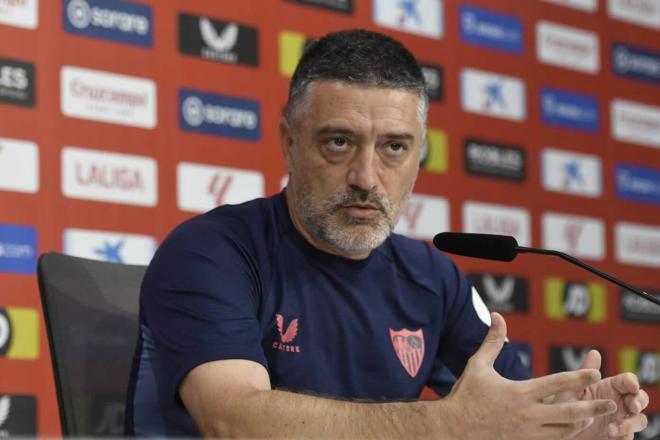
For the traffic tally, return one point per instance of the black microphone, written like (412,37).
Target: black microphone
(505,248)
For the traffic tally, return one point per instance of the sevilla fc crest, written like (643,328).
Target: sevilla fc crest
(409,348)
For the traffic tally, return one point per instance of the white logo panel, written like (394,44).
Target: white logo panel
(423,217)
(492,94)
(115,247)
(424,17)
(108,97)
(109,177)
(584,5)
(573,173)
(19,166)
(635,122)
(576,235)
(640,12)
(201,188)
(485,218)
(567,47)
(637,244)
(19,13)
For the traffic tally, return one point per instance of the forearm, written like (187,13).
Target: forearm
(268,414)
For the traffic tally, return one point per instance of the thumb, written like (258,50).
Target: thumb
(494,340)
(591,361)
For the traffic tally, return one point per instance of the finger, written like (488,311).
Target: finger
(592,360)
(626,383)
(628,426)
(573,412)
(635,403)
(562,382)
(494,340)
(564,431)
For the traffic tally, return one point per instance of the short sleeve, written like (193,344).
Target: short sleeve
(200,300)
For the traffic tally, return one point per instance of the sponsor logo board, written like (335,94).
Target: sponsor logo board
(636,63)
(652,430)
(218,40)
(502,293)
(435,151)
(423,17)
(19,333)
(423,216)
(636,183)
(219,115)
(576,235)
(572,173)
(19,166)
(345,6)
(645,363)
(492,94)
(485,218)
(637,244)
(291,47)
(494,160)
(494,30)
(583,5)
(635,122)
(567,47)
(575,300)
(637,309)
(569,358)
(18,249)
(20,13)
(201,188)
(640,12)
(570,110)
(114,247)
(17,82)
(18,415)
(112,20)
(109,177)
(435,83)
(108,97)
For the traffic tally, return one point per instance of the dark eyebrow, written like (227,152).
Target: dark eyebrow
(399,136)
(329,129)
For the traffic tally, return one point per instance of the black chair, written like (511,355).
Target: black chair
(91,313)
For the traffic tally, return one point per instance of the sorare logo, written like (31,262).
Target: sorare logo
(491,29)
(18,249)
(219,115)
(112,20)
(17,82)
(575,300)
(345,6)
(636,63)
(641,184)
(491,159)
(570,110)
(217,40)
(18,415)
(19,333)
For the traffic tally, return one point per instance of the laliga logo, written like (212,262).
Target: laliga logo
(193,111)
(79,13)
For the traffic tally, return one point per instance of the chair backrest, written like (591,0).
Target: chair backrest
(91,313)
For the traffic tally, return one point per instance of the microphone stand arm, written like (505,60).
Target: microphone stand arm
(570,259)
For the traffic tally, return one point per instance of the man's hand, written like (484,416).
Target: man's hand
(624,390)
(493,407)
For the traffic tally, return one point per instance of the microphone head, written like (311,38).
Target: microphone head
(487,246)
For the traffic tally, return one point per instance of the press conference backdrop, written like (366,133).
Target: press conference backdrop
(120,119)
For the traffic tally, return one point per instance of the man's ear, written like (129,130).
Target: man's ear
(286,143)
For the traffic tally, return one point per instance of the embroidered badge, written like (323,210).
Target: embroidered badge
(286,336)
(409,348)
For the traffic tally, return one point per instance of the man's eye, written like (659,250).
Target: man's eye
(396,147)
(338,143)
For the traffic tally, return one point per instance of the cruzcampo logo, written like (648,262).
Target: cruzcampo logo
(435,152)
(575,300)
(291,46)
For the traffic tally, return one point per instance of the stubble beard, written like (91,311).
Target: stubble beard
(329,221)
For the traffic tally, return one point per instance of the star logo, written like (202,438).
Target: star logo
(111,253)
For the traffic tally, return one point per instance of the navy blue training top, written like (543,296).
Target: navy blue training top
(240,282)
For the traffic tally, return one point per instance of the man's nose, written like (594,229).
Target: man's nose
(362,170)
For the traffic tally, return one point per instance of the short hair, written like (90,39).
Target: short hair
(356,57)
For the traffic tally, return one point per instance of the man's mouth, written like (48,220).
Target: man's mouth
(362,210)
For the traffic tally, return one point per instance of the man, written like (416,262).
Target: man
(302,315)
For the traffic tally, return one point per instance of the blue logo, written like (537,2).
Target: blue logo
(409,10)
(638,183)
(636,63)
(114,20)
(573,173)
(18,249)
(110,252)
(570,110)
(219,115)
(490,29)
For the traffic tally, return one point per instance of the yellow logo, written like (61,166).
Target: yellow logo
(291,45)
(435,152)
(19,333)
(575,300)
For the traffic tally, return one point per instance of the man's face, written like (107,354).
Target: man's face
(353,159)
